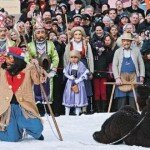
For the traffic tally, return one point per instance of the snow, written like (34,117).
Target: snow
(77,135)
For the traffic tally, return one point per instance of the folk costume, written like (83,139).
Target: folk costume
(18,110)
(48,58)
(129,66)
(86,56)
(76,74)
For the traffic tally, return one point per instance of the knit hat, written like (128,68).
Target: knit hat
(16,52)
(81,29)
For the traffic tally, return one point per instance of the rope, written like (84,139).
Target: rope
(125,136)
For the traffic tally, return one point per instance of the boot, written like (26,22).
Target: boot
(98,105)
(67,111)
(41,109)
(104,105)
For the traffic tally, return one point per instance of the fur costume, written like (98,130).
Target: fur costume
(124,121)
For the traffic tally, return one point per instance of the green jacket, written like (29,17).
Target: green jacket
(51,51)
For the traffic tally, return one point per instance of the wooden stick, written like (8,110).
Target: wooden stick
(111,98)
(67,27)
(135,98)
(127,83)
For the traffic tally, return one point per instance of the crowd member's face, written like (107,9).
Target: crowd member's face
(33,7)
(104,7)
(78,6)
(107,41)
(89,11)
(9,22)
(119,5)
(28,25)
(114,31)
(129,29)
(3,32)
(52,2)
(13,36)
(77,36)
(126,44)
(52,36)
(46,15)
(135,3)
(112,14)
(106,22)
(148,18)
(74,59)
(134,19)
(40,35)
(77,20)
(21,28)
(148,56)
(63,38)
(47,25)
(99,31)
(59,19)
(124,20)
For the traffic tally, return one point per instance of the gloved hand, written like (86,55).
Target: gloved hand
(78,80)
(51,74)
(71,77)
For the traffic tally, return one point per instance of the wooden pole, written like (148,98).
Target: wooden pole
(67,28)
(133,89)
(111,98)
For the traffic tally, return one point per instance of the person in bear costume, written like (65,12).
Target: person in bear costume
(128,126)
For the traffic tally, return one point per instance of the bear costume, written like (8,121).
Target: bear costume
(127,126)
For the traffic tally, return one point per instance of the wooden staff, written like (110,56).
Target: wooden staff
(45,97)
(113,90)
(67,27)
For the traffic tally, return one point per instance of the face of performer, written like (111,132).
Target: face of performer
(3,32)
(77,36)
(126,43)
(9,61)
(40,35)
(74,59)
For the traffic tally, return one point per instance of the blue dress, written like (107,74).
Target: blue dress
(127,67)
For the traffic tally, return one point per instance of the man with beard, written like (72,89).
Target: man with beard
(47,56)
(4,42)
(128,67)
(18,111)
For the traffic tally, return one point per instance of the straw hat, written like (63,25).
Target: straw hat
(75,53)
(127,36)
(127,78)
(74,29)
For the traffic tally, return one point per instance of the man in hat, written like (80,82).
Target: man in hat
(128,66)
(77,4)
(77,20)
(18,111)
(47,56)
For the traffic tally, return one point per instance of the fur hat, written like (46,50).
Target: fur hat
(74,29)
(75,53)
(16,52)
(127,36)
(78,2)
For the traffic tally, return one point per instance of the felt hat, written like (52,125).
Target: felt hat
(127,36)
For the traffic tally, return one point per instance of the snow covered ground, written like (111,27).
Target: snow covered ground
(77,134)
